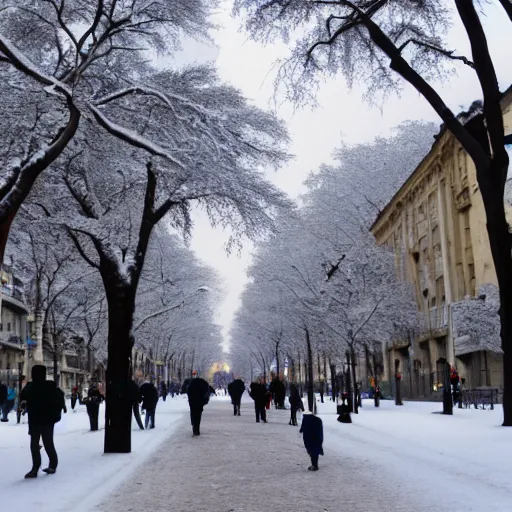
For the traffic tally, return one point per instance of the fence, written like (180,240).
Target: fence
(416,386)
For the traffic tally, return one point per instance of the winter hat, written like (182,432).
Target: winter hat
(38,372)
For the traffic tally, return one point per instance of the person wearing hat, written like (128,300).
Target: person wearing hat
(45,402)
(313,434)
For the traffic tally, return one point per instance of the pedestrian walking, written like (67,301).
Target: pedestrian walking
(136,399)
(198,392)
(74,397)
(45,403)
(3,394)
(296,404)
(236,390)
(313,434)
(163,391)
(322,390)
(149,396)
(92,402)
(260,396)
(8,404)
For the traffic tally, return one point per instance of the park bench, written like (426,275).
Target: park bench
(480,398)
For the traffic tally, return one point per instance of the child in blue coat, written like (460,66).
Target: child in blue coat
(313,434)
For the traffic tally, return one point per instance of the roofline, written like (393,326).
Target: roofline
(506,98)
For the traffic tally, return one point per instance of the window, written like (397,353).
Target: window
(8,326)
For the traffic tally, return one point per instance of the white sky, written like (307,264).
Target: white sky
(316,133)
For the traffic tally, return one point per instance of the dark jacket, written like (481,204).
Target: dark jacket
(313,433)
(94,396)
(163,389)
(149,396)
(184,386)
(236,389)
(198,392)
(3,393)
(295,399)
(45,401)
(258,393)
(134,392)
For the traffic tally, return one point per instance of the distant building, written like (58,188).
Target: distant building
(13,326)
(436,226)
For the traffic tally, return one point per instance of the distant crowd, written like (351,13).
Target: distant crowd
(44,402)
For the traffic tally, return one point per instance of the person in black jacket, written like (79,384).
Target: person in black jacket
(163,391)
(259,394)
(236,390)
(198,391)
(93,401)
(149,396)
(136,399)
(313,433)
(45,403)
(295,404)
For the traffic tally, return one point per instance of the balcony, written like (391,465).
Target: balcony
(439,317)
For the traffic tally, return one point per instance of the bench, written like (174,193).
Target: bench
(480,398)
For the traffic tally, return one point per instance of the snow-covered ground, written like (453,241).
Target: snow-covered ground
(391,459)
(85,475)
(459,463)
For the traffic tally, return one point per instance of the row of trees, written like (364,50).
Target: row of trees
(385,44)
(321,289)
(102,145)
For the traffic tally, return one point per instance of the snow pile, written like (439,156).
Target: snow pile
(85,475)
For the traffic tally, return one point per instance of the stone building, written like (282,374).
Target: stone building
(13,326)
(436,225)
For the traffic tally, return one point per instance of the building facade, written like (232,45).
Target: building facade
(436,226)
(13,327)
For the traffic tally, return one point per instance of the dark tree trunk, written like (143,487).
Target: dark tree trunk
(118,412)
(348,381)
(333,380)
(376,395)
(56,376)
(354,380)
(311,391)
(277,359)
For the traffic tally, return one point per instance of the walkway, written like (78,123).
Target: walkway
(237,465)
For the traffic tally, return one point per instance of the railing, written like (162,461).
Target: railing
(12,340)
(12,291)
(438,317)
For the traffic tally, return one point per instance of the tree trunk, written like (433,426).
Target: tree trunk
(311,394)
(333,381)
(277,359)
(349,384)
(376,394)
(118,413)
(501,247)
(354,380)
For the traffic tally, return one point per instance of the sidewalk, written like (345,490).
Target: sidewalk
(85,475)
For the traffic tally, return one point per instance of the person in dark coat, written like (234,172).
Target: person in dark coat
(3,394)
(295,404)
(313,434)
(198,392)
(236,390)
(278,390)
(45,403)
(149,395)
(92,402)
(74,397)
(135,399)
(258,392)
(163,391)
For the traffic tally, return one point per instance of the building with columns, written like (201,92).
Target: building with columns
(436,226)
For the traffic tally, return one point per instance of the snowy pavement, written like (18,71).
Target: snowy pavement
(389,460)
(85,475)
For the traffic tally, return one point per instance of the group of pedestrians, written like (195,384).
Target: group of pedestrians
(8,395)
